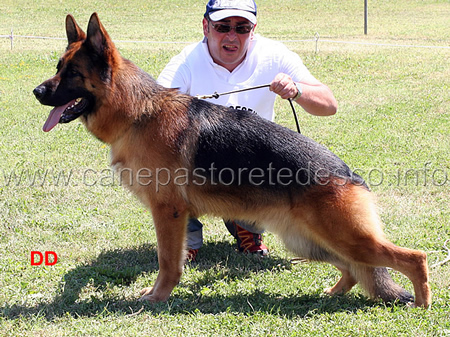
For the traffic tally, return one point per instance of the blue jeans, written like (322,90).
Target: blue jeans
(195,232)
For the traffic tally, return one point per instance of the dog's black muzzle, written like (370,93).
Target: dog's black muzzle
(40,92)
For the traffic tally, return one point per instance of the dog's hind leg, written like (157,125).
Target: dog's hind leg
(347,280)
(375,280)
(345,283)
(348,225)
(170,225)
(366,259)
(310,250)
(412,263)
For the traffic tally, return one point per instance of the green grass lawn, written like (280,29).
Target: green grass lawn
(57,193)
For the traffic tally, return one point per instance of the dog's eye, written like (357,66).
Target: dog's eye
(73,73)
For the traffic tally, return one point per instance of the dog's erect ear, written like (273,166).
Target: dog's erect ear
(73,31)
(97,36)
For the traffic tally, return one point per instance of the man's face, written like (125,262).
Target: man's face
(227,49)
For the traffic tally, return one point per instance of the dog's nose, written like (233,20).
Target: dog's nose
(39,92)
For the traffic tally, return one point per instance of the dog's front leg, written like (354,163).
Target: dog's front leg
(170,224)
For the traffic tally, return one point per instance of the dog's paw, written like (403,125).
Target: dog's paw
(148,294)
(411,305)
(415,305)
(146,291)
(334,291)
(328,291)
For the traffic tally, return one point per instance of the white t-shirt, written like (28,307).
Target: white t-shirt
(194,72)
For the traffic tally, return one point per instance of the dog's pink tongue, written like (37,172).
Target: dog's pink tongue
(54,117)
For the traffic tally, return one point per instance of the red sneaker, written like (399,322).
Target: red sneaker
(247,242)
(191,255)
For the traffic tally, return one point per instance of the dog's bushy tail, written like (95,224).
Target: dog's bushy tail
(379,284)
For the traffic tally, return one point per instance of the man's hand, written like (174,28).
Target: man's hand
(316,99)
(284,86)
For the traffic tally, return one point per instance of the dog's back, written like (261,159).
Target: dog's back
(241,143)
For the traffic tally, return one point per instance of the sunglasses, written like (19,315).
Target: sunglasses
(223,28)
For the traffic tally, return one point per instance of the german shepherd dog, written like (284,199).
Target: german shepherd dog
(210,159)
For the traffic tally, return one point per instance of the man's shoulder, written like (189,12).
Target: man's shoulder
(189,56)
(265,41)
(269,46)
(193,48)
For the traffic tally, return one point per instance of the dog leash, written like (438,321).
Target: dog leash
(216,95)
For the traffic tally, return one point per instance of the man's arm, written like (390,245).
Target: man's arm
(316,98)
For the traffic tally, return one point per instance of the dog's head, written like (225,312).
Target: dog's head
(85,65)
